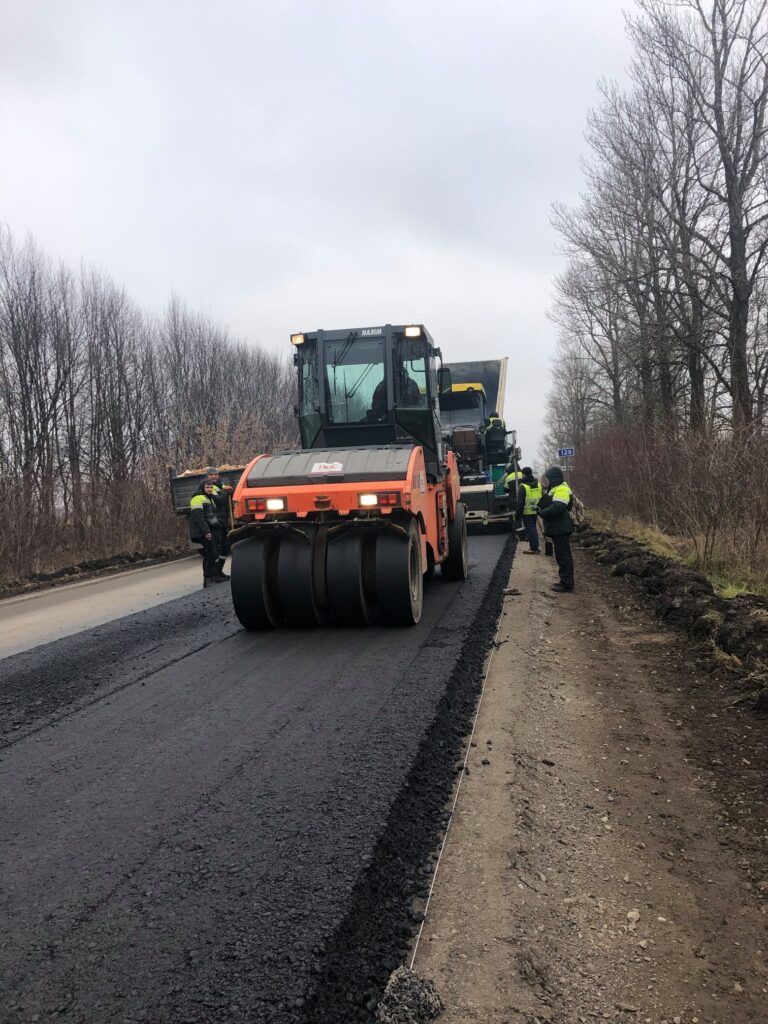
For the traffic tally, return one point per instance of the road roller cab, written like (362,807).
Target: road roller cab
(345,529)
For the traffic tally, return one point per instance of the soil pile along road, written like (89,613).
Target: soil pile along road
(191,810)
(735,630)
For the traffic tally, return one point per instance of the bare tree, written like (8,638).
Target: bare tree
(717,50)
(97,399)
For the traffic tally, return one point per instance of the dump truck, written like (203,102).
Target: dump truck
(344,530)
(482,452)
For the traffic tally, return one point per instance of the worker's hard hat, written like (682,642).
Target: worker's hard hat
(211,471)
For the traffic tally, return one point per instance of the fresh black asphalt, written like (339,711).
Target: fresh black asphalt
(201,824)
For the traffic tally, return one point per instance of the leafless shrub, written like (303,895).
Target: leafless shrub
(707,489)
(97,399)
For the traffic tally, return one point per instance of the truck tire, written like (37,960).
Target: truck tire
(456,565)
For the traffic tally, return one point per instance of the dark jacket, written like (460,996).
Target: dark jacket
(555,515)
(221,503)
(532,481)
(202,517)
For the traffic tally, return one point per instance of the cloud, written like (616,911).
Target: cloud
(310,163)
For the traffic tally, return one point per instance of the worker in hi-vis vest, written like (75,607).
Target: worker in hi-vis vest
(203,524)
(529,494)
(495,437)
(511,482)
(512,478)
(221,498)
(558,525)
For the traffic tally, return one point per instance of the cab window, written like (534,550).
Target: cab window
(412,394)
(354,380)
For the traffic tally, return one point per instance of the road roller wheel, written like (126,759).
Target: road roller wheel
(399,577)
(254,564)
(456,565)
(296,578)
(350,569)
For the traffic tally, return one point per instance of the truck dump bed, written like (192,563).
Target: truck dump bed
(491,373)
(184,485)
(482,467)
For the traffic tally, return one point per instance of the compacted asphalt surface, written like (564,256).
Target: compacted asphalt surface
(193,816)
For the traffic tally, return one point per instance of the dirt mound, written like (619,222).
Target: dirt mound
(735,630)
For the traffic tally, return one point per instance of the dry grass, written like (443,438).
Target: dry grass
(651,537)
(713,620)
(724,660)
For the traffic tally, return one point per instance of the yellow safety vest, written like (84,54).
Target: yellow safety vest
(511,477)
(532,498)
(198,500)
(562,493)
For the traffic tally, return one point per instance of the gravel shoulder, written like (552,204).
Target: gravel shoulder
(607,858)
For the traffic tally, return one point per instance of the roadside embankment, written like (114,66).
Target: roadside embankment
(733,631)
(607,855)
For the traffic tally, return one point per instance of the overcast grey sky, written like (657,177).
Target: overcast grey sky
(296,164)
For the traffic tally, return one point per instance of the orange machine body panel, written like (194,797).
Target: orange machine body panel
(433,504)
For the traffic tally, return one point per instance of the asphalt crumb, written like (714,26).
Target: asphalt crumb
(377,934)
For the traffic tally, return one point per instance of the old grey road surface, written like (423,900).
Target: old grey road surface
(34,619)
(187,808)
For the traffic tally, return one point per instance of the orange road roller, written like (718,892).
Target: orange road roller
(344,530)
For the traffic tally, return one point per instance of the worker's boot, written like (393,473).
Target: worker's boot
(220,576)
(208,582)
